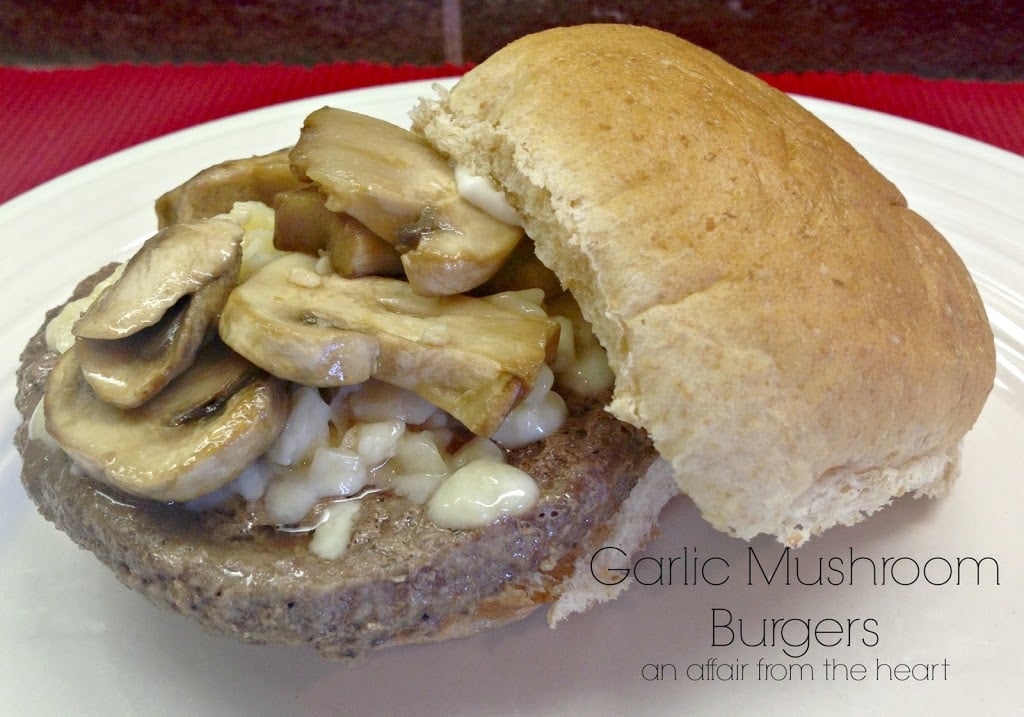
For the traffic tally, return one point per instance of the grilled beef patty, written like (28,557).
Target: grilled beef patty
(402,579)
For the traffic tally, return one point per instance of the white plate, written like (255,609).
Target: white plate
(75,642)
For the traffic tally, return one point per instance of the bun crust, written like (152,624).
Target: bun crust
(800,345)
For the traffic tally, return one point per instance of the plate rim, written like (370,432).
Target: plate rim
(813,104)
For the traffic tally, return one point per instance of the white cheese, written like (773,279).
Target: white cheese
(306,430)
(480,493)
(539,415)
(331,538)
(482,194)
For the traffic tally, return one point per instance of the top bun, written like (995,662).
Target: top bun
(799,344)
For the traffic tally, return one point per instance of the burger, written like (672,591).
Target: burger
(389,386)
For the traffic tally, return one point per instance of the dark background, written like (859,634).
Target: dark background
(931,38)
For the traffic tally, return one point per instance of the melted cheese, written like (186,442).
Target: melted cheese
(480,493)
(482,194)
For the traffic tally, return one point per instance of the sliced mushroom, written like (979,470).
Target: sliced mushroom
(303,223)
(146,328)
(468,356)
(192,438)
(174,262)
(523,270)
(216,189)
(393,182)
(356,251)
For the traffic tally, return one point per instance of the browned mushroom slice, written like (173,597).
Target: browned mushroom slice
(146,328)
(303,223)
(216,189)
(192,438)
(523,270)
(356,251)
(393,182)
(468,356)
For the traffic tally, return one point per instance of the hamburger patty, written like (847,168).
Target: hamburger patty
(402,579)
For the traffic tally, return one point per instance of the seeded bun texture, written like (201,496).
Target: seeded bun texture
(800,345)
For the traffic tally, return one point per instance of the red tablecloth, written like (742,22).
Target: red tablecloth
(52,121)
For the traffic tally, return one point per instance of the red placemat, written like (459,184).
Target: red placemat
(52,121)
(992,112)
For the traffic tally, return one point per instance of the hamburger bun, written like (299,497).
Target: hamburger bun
(800,345)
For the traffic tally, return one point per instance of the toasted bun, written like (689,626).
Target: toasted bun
(799,344)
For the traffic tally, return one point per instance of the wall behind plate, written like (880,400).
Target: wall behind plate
(933,38)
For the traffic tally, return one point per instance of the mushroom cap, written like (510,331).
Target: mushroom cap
(173,263)
(402,190)
(146,328)
(193,437)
